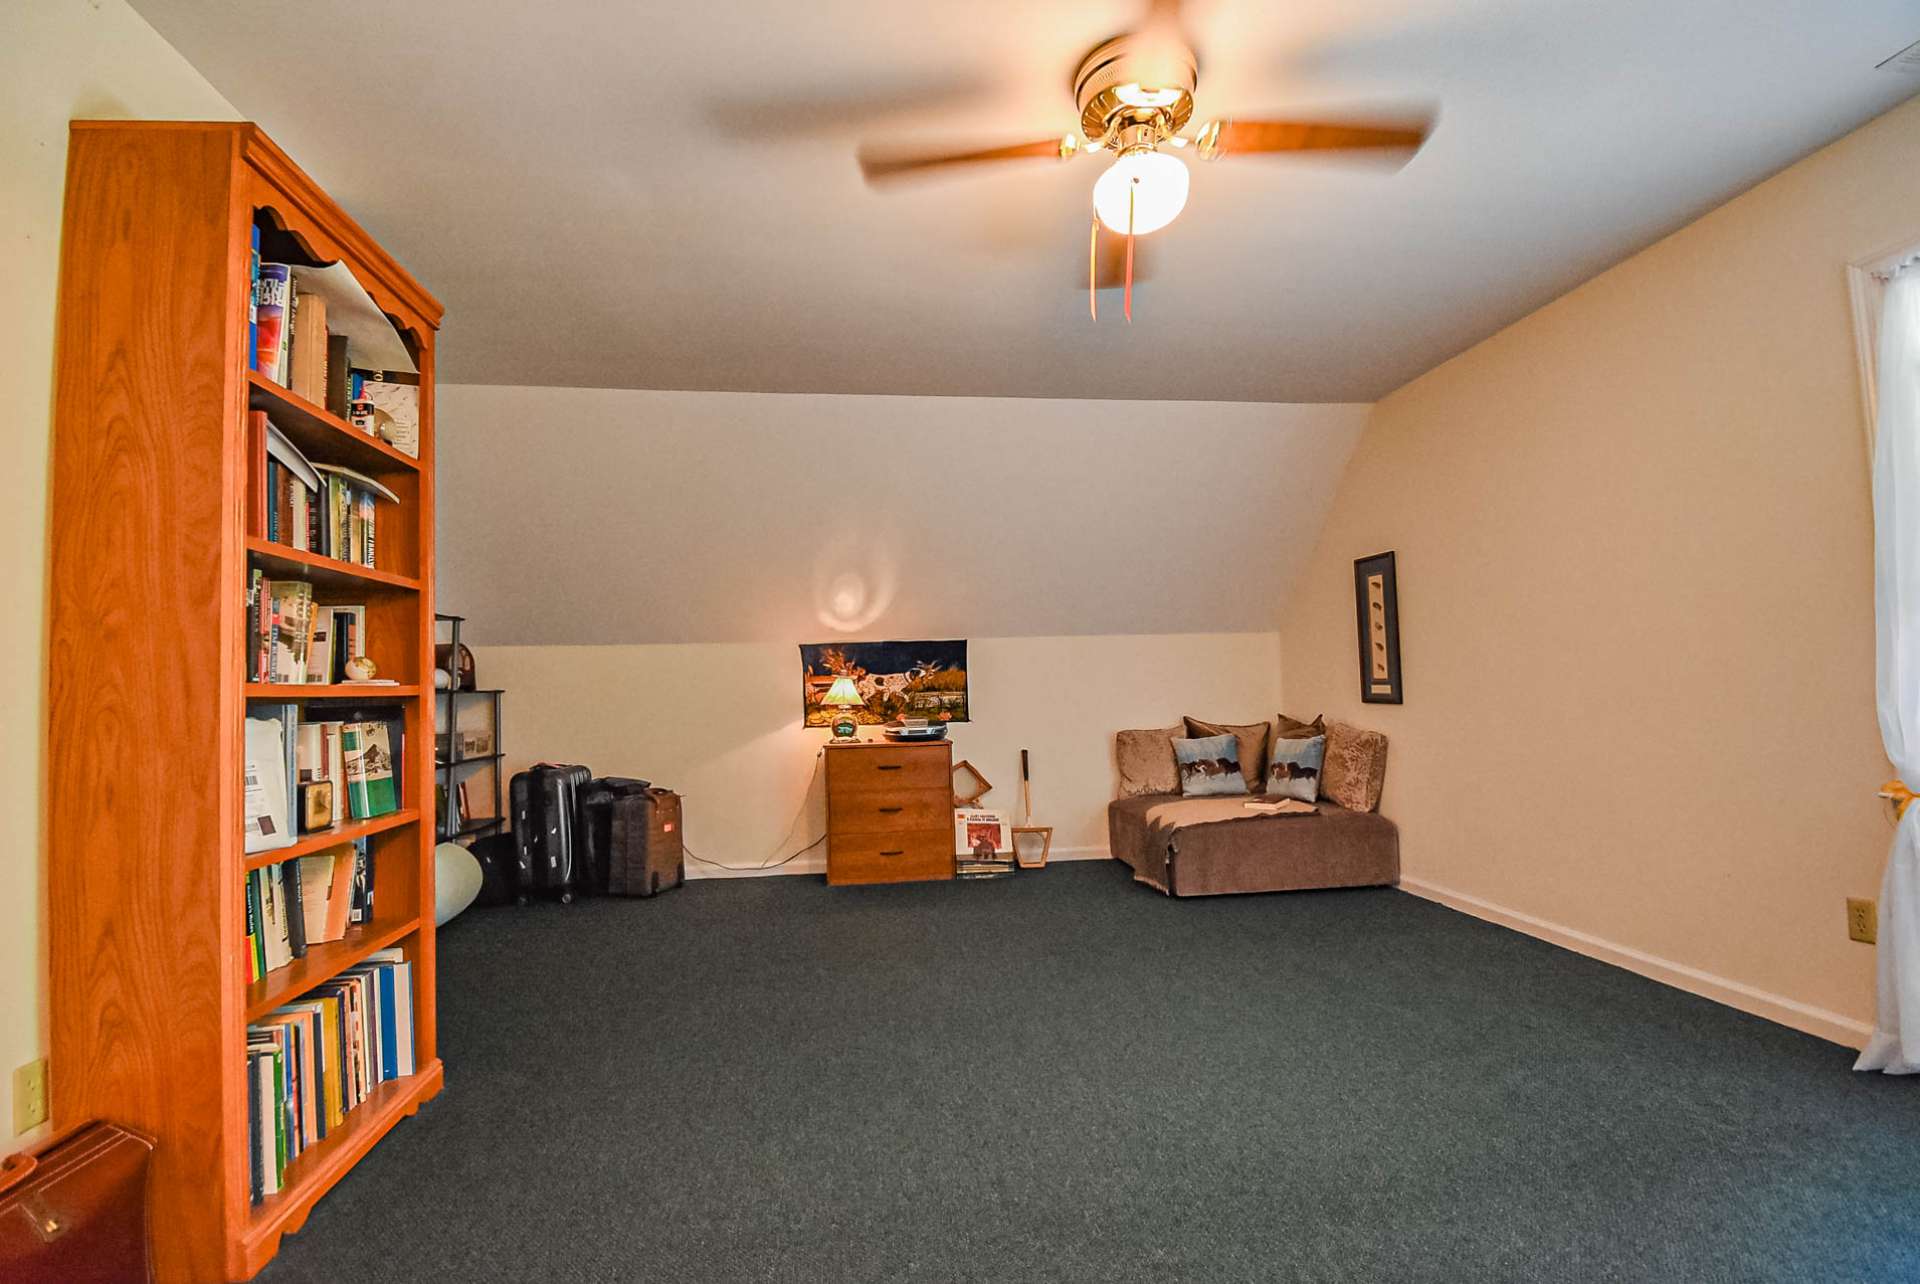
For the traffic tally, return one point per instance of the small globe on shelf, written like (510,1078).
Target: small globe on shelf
(360,669)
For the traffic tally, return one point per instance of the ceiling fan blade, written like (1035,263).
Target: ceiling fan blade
(880,166)
(1220,138)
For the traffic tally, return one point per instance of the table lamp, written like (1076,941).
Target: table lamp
(843,699)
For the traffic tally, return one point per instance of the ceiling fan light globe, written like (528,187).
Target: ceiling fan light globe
(1157,185)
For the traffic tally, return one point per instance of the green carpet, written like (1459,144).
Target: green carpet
(1066,1077)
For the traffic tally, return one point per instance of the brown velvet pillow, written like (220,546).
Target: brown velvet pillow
(1294,729)
(1355,769)
(1253,747)
(1146,761)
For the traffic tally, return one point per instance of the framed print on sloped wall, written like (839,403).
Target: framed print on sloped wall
(1376,605)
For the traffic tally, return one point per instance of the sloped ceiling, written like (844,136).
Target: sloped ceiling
(664,195)
(581,516)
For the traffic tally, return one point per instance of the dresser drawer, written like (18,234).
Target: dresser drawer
(890,767)
(890,858)
(876,811)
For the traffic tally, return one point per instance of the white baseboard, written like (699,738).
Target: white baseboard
(1804,1017)
(815,863)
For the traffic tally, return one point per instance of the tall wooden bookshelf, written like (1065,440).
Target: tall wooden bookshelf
(156,525)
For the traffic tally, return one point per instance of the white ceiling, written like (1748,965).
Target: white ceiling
(651,195)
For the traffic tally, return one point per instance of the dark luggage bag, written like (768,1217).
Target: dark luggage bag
(630,837)
(499,866)
(545,801)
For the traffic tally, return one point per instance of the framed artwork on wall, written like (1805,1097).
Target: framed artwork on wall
(1376,605)
(895,679)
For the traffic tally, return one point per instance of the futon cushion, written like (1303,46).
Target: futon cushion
(1253,746)
(1293,767)
(1145,759)
(1294,729)
(1356,767)
(1209,765)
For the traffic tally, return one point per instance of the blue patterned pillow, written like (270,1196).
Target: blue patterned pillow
(1293,767)
(1209,765)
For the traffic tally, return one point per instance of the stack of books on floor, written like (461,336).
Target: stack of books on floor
(312,1061)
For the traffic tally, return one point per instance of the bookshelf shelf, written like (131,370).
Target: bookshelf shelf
(314,1172)
(321,434)
(325,838)
(284,560)
(323,962)
(295,691)
(159,477)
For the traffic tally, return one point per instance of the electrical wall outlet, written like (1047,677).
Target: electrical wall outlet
(1863,920)
(29,1096)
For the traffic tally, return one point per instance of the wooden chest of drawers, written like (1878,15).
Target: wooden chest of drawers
(889,812)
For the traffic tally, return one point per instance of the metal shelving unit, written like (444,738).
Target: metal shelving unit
(450,766)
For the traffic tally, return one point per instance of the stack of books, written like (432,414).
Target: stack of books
(300,903)
(354,754)
(312,1061)
(313,507)
(292,638)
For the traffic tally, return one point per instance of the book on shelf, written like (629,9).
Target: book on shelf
(326,889)
(253,298)
(372,788)
(269,784)
(339,372)
(313,1061)
(386,404)
(272,299)
(307,362)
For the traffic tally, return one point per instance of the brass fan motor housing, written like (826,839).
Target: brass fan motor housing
(1121,63)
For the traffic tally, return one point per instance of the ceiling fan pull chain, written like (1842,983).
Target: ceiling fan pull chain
(1127,305)
(1093,269)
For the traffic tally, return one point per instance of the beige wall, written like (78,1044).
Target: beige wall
(573,516)
(721,724)
(59,59)
(1634,547)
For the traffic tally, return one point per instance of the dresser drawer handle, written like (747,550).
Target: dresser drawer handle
(897,851)
(888,766)
(888,811)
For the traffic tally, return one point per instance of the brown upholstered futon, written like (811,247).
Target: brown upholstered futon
(1215,846)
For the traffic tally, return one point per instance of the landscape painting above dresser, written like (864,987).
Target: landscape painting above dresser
(896,679)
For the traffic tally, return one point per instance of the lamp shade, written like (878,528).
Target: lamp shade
(1154,183)
(842,694)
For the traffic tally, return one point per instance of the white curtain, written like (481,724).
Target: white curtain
(1895,1047)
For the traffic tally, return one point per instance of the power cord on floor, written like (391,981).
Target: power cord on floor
(692,855)
(785,860)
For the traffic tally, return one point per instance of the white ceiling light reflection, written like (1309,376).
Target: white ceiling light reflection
(853,584)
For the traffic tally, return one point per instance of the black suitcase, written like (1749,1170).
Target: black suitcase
(498,869)
(630,832)
(545,800)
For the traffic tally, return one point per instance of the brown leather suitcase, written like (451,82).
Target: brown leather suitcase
(76,1213)
(631,832)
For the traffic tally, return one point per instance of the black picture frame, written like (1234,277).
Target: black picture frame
(1379,638)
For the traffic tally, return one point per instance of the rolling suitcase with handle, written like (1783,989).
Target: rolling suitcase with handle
(545,800)
(630,836)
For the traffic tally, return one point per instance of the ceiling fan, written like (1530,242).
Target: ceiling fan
(1135,98)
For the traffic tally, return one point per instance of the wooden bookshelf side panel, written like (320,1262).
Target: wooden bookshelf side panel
(426,1021)
(143,815)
